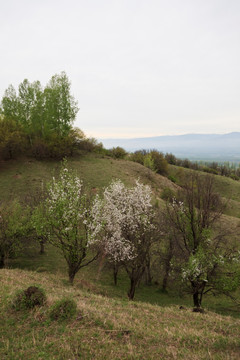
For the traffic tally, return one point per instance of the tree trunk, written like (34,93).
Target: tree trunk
(42,250)
(2,261)
(148,276)
(167,266)
(131,291)
(196,300)
(166,275)
(71,275)
(115,273)
(100,266)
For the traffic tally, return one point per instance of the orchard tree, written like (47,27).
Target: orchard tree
(68,216)
(205,255)
(123,221)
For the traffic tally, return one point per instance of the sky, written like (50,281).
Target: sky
(138,68)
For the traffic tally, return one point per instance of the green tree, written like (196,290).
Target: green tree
(60,106)
(44,114)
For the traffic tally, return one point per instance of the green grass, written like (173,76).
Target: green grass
(108,328)
(21,178)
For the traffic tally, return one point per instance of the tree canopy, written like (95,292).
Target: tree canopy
(42,115)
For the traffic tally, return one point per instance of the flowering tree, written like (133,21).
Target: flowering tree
(68,214)
(123,220)
(204,258)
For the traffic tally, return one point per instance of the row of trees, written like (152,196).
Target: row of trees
(123,227)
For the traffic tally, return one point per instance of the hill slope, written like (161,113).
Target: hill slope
(106,328)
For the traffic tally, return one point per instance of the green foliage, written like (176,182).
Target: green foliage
(149,162)
(138,156)
(172,178)
(167,194)
(117,152)
(63,309)
(29,298)
(60,106)
(43,116)
(160,163)
(153,160)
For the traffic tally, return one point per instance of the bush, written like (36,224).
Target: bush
(40,149)
(160,163)
(117,153)
(167,194)
(138,156)
(172,178)
(29,298)
(63,309)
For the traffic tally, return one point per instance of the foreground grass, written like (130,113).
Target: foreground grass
(106,328)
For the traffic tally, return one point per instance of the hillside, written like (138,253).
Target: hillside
(18,178)
(107,325)
(106,328)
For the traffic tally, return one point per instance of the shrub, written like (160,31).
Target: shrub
(167,194)
(40,149)
(63,309)
(29,298)
(172,178)
(117,153)
(160,163)
(138,156)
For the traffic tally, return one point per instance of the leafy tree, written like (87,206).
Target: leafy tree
(60,106)
(124,218)
(41,113)
(9,105)
(67,220)
(205,256)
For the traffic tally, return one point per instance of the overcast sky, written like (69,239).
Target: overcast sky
(137,67)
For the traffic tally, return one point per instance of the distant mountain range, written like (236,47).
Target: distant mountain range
(218,147)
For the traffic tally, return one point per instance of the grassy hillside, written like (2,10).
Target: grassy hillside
(107,325)
(228,188)
(18,178)
(107,328)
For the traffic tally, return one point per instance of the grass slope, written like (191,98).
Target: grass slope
(107,325)
(18,178)
(106,328)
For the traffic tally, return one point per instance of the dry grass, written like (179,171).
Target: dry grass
(105,328)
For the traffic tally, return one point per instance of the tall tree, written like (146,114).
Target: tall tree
(60,106)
